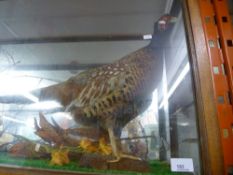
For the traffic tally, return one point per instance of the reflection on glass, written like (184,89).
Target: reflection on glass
(74,107)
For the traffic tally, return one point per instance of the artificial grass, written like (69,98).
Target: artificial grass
(157,167)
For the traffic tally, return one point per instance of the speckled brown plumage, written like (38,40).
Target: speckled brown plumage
(115,88)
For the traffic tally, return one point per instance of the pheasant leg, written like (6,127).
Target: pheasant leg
(115,150)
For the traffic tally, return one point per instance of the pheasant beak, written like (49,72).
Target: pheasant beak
(173,19)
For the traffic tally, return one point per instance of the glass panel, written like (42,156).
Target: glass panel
(97,86)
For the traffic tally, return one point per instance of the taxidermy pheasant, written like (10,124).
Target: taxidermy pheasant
(112,95)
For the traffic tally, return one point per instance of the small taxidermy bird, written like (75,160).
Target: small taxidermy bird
(112,95)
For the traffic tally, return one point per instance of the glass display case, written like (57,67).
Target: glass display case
(99,87)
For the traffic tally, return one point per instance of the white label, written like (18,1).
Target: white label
(182,165)
(148,36)
(37,147)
